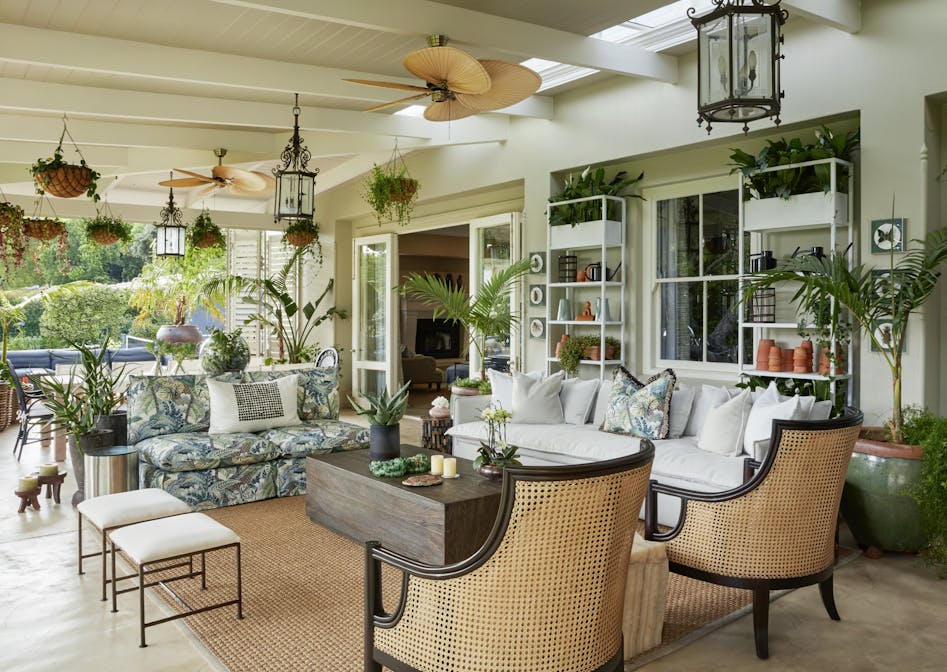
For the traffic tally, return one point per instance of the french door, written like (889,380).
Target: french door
(375,306)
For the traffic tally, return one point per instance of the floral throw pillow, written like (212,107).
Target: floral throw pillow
(640,409)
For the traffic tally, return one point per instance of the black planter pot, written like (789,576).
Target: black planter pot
(384,442)
(98,438)
(118,423)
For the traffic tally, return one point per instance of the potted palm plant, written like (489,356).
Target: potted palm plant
(484,314)
(875,503)
(384,412)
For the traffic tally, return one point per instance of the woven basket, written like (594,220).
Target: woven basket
(300,238)
(66,181)
(43,229)
(5,393)
(209,239)
(405,192)
(103,236)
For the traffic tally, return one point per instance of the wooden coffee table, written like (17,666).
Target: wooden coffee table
(437,525)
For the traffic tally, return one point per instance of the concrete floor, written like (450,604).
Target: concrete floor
(894,610)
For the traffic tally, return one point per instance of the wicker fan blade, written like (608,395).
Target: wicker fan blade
(458,70)
(184,182)
(387,85)
(248,181)
(210,189)
(197,175)
(512,83)
(449,110)
(396,102)
(270,182)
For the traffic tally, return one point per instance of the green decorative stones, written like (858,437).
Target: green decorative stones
(399,466)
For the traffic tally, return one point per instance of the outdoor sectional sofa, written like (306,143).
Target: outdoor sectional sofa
(33,362)
(168,421)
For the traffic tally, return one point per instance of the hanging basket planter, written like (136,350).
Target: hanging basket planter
(304,233)
(203,233)
(60,178)
(208,239)
(390,191)
(102,236)
(41,228)
(402,189)
(106,229)
(300,238)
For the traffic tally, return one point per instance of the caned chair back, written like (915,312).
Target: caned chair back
(784,525)
(549,592)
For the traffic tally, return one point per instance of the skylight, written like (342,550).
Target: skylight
(640,30)
(412,111)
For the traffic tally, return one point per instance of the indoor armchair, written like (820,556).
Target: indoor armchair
(775,531)
(544,592)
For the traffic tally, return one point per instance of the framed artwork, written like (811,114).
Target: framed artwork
(887,235)
(537,295)
(879,274)
(882,330)
(537,327)
(537,262)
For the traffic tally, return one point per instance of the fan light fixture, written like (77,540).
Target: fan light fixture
(295,183)
(169,232)
(738,55)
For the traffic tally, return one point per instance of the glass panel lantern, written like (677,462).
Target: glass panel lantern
(295,183)
(738,61)
(169,232)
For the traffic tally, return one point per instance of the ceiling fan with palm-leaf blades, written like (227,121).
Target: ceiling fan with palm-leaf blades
(234,180)
(458,84)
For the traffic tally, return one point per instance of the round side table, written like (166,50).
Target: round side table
(110,469)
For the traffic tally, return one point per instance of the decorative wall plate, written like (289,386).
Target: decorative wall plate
(887,235)
(537,327)
(537,295)
(537,262)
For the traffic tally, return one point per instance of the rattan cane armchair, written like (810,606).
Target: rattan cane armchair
(777,530)
(543,593)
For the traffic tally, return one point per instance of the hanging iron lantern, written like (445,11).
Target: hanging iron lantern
(295,183)
(738,55)
(169,232)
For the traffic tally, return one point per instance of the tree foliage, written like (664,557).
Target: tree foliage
(83,314)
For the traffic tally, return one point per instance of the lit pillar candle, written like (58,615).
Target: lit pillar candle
(437,464)
(27,483)
(450,467)
(48,469)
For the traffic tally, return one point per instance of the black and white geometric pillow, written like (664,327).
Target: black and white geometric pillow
(252,407)
(257,401)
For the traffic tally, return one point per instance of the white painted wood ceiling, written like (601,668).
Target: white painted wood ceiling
(149,86)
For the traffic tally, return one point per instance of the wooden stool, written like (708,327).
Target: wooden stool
(53,484)
(434,434)
(28,498)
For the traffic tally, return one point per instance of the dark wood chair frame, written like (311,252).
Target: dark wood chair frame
(760,587)
(375,615)
(29,417)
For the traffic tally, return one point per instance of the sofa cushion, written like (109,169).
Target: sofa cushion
(27,359)
(318,390)
(252,407)
(577,397)
(640,409)
(602,398)
(189,451)
(317,436)
(681,406)
(680,462)
(708,398)
(723,430)
(537,401)
(160,405)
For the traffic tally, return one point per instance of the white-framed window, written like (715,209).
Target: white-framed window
(691,251)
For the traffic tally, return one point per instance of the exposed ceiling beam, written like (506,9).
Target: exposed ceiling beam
(90,53)
(25,96)
(26,153)
(842,14)
(525,40)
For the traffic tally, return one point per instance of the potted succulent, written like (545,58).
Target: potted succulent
(60,178)
(384,412)
(12,240)
(390,191)
(495,453)
(225,351)
(204,233)
(106,229)
(484,314)
(879,511)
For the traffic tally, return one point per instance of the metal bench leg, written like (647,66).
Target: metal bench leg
(141,604)
(239,586)
(114,583)
(79,516)
(203,570)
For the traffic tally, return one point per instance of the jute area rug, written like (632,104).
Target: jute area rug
(303,597)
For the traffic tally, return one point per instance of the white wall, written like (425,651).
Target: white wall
(881,76)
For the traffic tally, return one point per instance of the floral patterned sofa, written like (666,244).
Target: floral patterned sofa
(168,418)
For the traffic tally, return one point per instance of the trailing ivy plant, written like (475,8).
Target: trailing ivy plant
(924,428)
(590,183)
(391,193)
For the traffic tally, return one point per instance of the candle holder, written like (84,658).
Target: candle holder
(762,306)
(568,265)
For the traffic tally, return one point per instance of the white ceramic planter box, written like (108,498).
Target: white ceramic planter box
(799,211)
(585,234)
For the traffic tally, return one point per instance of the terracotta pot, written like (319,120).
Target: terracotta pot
(179,333)
(787,355)
(801,360)
(762,353)
(491,471)
(594,353)
(611,352)
(874,504)
(580,275)
(465,391)
(775,359)
(565,337)
(825,366)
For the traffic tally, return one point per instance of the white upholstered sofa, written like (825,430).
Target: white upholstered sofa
(679,461)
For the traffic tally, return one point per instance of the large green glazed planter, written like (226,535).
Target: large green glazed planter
(874,501)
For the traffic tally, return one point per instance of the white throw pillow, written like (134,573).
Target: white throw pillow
(602,400)
(577,397)
(251,407)
(536,402)
(681,404)
(759,425)
(722,432)
(821,410)
(501,387)
(708,398)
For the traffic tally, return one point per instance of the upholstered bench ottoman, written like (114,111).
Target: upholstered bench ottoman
(645,596)
(110,512)
(166,540)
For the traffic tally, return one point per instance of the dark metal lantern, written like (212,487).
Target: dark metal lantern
(295,183)
(169,232)
(738,55)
